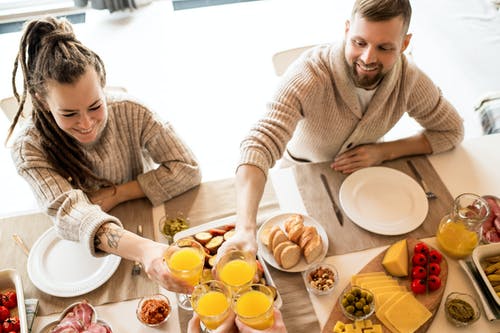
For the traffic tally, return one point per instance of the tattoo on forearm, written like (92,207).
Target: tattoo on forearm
(113,236)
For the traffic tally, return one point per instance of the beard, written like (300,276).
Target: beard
(366,81)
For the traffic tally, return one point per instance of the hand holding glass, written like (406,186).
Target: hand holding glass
(185,259)
(211,300)
(254,306)
(236,269)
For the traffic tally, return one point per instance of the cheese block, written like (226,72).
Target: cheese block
(407,314)
(396,259)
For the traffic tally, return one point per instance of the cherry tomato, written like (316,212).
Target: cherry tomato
(4,313)
(434,282)
(435,256)
(418,286)
(418,272)
(421,248)
(11,324)
(9,299)
(419,259)
(434,268)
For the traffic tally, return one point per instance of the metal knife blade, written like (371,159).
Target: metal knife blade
(336,208)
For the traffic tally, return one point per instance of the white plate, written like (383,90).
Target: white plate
(302,265)
(64,268)
(383,200)
(478,255)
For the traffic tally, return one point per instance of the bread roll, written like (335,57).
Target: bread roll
(290,256)
(313,249)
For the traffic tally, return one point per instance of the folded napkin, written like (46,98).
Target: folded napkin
(491,308)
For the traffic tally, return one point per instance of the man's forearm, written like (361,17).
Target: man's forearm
(414,145)
(250,183)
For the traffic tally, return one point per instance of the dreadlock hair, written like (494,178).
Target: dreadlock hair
(48,51)
(381,10)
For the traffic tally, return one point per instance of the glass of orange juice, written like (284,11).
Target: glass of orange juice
(211,300)
(253,305)
(185,259)
(236,269)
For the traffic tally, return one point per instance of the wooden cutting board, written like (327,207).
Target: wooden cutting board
(431,300)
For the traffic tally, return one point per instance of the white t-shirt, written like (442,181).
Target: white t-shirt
(364,97)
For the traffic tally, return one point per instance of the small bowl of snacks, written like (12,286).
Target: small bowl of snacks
(320,278)
(357,303)
(154,310)
(461,309)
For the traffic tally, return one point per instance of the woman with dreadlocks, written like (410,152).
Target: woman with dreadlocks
(84,151)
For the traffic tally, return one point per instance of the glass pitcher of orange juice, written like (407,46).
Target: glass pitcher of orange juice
(459,232)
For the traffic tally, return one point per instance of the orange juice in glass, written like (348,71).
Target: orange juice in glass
(236,269)
(254,306)
(185,259)
(211,300)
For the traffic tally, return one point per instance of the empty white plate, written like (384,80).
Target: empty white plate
(383,200)
(64,268)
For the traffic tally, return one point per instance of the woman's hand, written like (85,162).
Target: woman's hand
(358,158)
(156,269)
(244,241)
(278,326)
(105,197)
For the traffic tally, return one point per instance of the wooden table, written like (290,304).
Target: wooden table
(471,167)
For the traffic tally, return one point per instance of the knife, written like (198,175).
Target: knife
(336,208)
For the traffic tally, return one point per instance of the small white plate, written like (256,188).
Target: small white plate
(64,268)
(383,200)
(280,220)
(479,254)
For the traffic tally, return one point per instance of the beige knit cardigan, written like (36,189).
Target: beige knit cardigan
(135,145)
(315,113)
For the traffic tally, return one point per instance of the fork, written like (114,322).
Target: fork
(136,269)
(428,193)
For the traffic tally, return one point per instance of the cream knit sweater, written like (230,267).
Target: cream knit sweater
(133,143)
(315,113)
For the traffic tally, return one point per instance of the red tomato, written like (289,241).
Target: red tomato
(434,282)
(434,268)
(421,248)
(418,286)
(4,313)
(418,272)
(419,259)
(435,256)
(9,299)
(11,324)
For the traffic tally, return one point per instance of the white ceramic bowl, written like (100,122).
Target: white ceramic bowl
(479,256)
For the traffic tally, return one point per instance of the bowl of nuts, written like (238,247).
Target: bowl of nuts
(320,278)
(357,303)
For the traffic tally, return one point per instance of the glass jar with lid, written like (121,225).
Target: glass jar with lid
(459,232)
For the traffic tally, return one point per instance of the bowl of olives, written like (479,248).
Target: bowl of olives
(357,303)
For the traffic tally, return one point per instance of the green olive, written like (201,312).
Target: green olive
(349,309)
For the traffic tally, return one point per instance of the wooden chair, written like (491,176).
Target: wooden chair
(283,59)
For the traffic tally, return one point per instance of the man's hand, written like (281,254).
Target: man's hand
(278,326)
(241,240)
(358,158)
(227,326)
